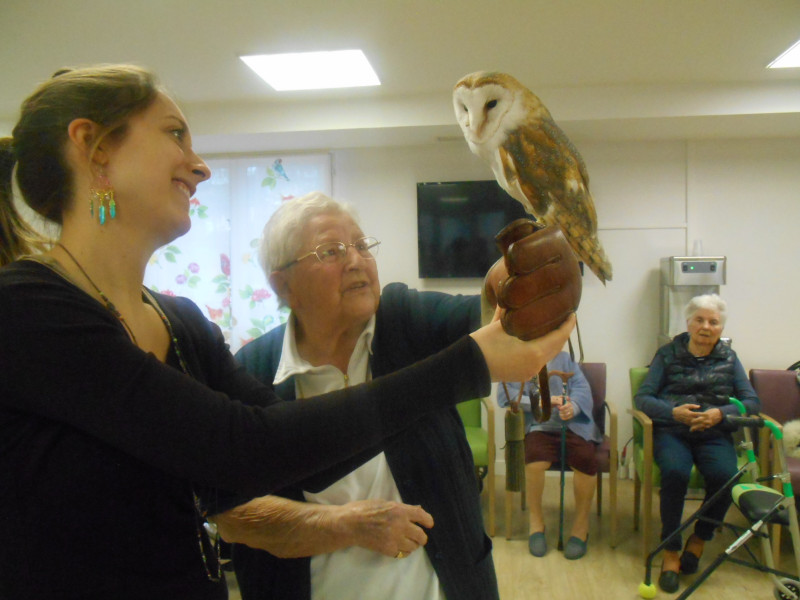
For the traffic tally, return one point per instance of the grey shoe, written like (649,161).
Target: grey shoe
(537,544)
(575,548)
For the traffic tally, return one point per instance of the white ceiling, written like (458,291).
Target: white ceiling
(607,69)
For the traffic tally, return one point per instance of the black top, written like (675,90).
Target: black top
(101,444)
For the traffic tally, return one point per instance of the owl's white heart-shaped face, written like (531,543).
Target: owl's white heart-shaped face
(486,112)
(507,126)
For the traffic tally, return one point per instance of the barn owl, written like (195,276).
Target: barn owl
(531,158)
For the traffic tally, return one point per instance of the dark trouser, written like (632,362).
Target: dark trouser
(675,453)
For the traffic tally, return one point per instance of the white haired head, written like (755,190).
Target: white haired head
(708,302)
(282,237)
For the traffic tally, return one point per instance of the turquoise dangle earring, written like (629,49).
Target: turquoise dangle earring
(105,193)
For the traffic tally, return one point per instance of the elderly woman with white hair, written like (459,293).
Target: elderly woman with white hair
(358,534)
(686,394)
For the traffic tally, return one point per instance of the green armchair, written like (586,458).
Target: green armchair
(481,442)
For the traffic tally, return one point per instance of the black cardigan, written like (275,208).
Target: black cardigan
(101,444)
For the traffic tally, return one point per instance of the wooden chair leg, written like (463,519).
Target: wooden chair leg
(613,470)
(647,516)
(490,481)
(508,514)
(599,493)
(612,502)
(776,543)
(637,497)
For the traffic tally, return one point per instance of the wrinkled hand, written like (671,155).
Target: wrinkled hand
(685,413)
(706,419)
(696,420)
(385,526)
(538,281)
(566,409)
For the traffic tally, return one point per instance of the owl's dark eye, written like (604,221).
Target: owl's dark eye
(491,104)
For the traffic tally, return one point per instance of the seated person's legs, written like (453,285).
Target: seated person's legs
(674,459)
(716,460)
(582,460)
(541,450)
(534,488)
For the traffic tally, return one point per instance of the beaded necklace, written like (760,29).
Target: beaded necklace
(109,305)
(199,518)
(200,521)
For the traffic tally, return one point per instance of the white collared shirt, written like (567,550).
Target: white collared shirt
(356,572)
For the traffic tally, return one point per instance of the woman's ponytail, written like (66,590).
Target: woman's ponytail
(16,236)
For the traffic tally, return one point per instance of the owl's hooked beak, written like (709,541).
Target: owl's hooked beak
(474,131)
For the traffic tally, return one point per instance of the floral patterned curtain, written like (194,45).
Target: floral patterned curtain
(216,263)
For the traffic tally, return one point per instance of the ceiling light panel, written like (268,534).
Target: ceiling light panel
(787,60)
(313,70)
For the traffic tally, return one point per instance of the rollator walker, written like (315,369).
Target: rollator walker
(760,505)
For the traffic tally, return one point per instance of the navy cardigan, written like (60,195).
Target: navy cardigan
(431,462)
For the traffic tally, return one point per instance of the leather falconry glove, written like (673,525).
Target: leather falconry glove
(537,283)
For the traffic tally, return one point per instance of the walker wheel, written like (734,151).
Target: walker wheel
(647,590)
(792,585)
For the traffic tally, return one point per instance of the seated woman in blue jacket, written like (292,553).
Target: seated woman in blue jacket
(571,407)
(686,394)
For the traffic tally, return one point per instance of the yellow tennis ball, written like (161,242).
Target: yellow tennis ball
(647,590)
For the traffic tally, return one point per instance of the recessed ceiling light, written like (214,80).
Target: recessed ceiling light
(787,60)
(313,70)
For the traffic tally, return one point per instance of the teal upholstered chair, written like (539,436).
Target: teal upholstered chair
(481,441)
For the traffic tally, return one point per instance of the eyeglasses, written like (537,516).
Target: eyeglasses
(333,252)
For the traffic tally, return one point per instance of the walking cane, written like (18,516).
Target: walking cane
(563,462)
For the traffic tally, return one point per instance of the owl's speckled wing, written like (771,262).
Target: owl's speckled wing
(539,161)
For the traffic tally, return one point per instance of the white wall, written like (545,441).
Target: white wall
(745,203)
(653,200)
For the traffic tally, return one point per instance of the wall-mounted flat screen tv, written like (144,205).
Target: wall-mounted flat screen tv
(456,225)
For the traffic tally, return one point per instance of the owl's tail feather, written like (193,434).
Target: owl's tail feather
(599,264)
(582,238)
(589,250)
